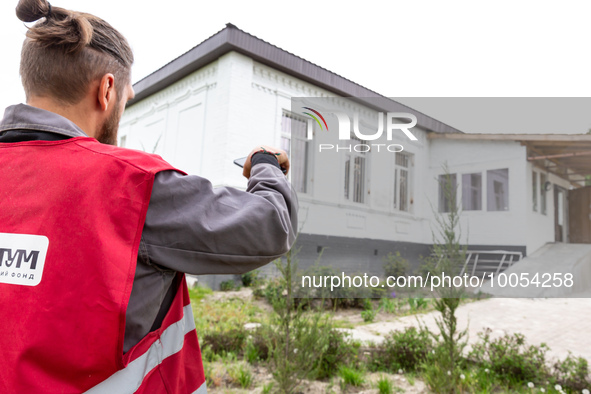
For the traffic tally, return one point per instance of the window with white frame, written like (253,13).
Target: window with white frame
(355,172)
(402,181)
(293,141)
(447,192)
(497,190)
(534,187)
(472,192)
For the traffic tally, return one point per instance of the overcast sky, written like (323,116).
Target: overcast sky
(396,48)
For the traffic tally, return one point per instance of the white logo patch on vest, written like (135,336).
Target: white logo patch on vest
(22,258)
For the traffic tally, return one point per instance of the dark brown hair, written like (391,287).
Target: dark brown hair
(68,50)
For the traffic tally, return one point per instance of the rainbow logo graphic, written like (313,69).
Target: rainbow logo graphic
(315,118)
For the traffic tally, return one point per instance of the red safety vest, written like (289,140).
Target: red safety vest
(71,219)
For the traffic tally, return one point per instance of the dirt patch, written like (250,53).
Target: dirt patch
(400,383)
(222,382)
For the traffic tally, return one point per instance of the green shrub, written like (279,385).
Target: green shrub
(380,291)
(417,304)
(389,305)
(338,352)
(224,341)
(316,272)
(511,359)
(250,279)
(259,292)
(395,265)
(257,348)
(342,296)
(368,315)
(405,350)
(572,373)
(482,380)
(274,290)
(227,285)
(353,297)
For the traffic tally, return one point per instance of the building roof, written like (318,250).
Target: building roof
(566,155)
(232,38)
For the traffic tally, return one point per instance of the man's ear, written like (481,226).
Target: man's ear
(106,92)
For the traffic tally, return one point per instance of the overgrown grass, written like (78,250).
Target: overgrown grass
(222,315)
(197,293)
(351,376)
(385,386)
(222,336)
(494,365)
(241,374)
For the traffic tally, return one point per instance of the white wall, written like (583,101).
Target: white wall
(172,122)
(463,157)
(222,111)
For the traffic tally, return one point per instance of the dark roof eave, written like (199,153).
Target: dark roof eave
(201,55)
(233,39)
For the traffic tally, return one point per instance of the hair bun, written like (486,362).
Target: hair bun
(70,30)
(32,10)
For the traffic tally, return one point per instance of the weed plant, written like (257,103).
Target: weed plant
(351,377)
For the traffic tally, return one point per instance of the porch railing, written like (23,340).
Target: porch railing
(488,261)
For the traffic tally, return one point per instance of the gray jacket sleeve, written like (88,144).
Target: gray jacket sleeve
(194,228)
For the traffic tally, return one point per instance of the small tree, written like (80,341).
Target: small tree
(296,339)
(443,374)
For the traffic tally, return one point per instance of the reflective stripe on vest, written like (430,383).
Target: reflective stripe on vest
(66,323)
(129,379)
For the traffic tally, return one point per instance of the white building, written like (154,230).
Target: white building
(210,105)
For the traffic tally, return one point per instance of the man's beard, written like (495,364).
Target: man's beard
(108,131)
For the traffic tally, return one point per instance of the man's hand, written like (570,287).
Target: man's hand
(280,154)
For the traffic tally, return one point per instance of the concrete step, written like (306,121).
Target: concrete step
(553,260)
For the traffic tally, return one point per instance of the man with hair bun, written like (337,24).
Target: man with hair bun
(95,239)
